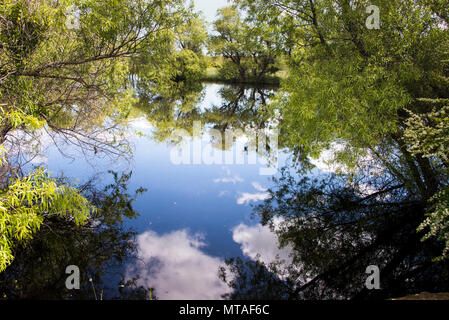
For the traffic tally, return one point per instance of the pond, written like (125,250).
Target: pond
(193,216)
(203,203)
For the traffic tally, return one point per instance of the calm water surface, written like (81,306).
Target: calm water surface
(192,217)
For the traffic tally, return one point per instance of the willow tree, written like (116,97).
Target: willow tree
(65,66)
(358,68)
(65,69)
(249,50)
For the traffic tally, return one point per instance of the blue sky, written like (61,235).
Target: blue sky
(209,7)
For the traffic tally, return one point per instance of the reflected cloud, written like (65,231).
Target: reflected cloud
(233,179)
(229,177)
(141,123)
(258,187)
(175,266)
(246,198)
(260,240)
(223,193)
(326,162)
(39,159)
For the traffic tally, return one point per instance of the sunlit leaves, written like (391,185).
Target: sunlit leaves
(18,118)
(249,50)
(28,200)
(428,136)
(437,221)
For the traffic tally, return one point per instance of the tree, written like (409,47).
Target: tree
(98,248)
(176,70)
(65,68)
(428,135)
(248,51)
(352,86)
(30,200)
(73,78)
(337,226)
(241,109)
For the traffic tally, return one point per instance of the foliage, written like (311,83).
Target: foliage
(438,220)
(428,135)
(335,227)
(98,247)
(249,50)
(178,66)
(242,109)
(73,77)
(353,86)
(254,280)
(348,82)
(28,201)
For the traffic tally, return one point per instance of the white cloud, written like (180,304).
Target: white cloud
(229,177)
(260,240)
(260,243)
(175,266)
(246,197)
(258,187)
(325,161)
(39,159)
(234,179)
(141,123)
(223,193)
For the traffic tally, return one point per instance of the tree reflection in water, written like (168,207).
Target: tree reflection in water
(241,108)
(98,248)
(337,227)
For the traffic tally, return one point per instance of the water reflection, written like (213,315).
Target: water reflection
(191,219)
(175,265)
(248,197)
(237,108)
(98,249)
(332,232)
(259,242)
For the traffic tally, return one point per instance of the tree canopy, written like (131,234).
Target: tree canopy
(66,68)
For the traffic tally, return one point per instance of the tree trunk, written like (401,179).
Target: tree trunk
(4,129)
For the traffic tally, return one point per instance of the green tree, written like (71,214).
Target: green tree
(428,135)
(248,51)
(70,77)
(28,201)
(335,226)
(177,69)
(352,85)
(65,68)
(98,247)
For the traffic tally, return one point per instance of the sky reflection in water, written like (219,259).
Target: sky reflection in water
(191,218)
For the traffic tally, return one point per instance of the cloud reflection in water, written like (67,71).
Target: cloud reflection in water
(175,266)
(260,240)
